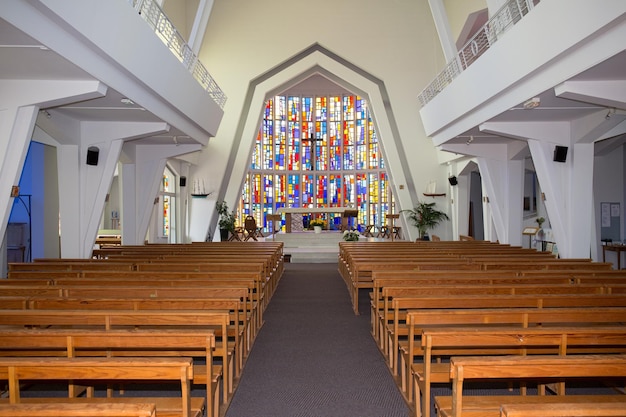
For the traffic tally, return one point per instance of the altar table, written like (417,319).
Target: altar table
(288,211)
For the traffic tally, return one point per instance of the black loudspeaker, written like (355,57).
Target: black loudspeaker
(183,181)
(92,155)
(560,153)
(453,181)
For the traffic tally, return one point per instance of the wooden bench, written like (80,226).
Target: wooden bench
(419,320)
(216,320)
(123,296)
(400,324)
(252,281)
(510,368)
(441,343)
(19,370)
(196,343)
(58,409)
(564,409)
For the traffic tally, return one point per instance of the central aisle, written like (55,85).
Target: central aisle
(313,356)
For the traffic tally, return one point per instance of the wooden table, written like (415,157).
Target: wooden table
(618,249)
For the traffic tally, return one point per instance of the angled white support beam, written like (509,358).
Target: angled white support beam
(558,133)
(141,179)
(608,93)
(20,102)
(84,186)
(597,126)
(503,182)
(442,25)
(16,125)
(49,93)
(483,150)
(199,25)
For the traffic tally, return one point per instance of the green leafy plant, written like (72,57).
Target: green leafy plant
(227,218)
(425,216)
(351,236)
(540,221)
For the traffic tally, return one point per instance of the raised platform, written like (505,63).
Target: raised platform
(310,247)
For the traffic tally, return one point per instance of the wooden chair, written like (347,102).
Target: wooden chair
(237,235)
(251,229)
(369,231)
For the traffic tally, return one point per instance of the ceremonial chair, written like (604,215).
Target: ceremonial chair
(251,229)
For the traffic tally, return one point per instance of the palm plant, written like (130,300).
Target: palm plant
(425,216)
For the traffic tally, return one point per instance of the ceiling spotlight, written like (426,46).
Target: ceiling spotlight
(45,113)
(470,140)
(127,101)
(532,103)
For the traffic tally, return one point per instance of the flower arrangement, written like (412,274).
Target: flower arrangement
(317,222)
(351,236)
(540,221)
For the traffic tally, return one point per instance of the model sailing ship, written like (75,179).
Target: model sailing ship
(199,190)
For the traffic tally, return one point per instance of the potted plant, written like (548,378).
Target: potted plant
(226,221)
(351,236)
(425,216)
(317,225)
(540,221)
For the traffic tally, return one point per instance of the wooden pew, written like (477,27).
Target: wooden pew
(195,343)
(216,320)
(591,367)
(401,307)
(564,409)
(238,319)
(19,370)
(252,281)
(441,343)
(58,409)
(523,318)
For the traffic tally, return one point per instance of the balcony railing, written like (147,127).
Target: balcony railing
(165,30)
(511,13)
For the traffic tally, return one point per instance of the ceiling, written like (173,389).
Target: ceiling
(23,58)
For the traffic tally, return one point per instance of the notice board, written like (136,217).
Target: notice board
(610,221)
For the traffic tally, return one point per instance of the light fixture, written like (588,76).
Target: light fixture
(470,140)
(127,102)
(532,103)
(46,113)
(609,113)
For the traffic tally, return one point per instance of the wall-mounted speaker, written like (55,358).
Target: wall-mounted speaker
(560,153)
(92,155)
(183,181)
(453,181)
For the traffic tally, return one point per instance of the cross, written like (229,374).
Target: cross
(314,140)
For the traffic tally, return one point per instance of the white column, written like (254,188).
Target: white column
(442,25)
(199,25)
(503,183)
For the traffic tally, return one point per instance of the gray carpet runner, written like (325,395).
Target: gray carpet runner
(314,357)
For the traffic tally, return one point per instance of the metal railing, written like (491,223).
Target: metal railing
(511,13)
(165,30)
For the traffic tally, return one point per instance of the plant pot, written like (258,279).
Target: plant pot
(317,229)
(224,235)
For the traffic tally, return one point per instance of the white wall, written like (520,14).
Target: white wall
(608,187)
(394,40)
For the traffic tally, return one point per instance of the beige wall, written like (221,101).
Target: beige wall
(458,10)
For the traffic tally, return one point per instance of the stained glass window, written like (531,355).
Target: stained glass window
(317,152)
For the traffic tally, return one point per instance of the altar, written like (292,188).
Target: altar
(293,215)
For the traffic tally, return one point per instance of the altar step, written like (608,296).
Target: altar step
(310,247)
